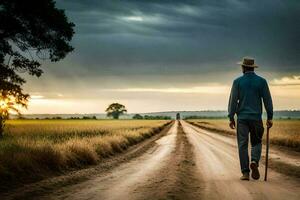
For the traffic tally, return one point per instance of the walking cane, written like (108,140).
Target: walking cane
(267,154)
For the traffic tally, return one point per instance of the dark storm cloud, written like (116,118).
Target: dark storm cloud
(143,37)
(176,16)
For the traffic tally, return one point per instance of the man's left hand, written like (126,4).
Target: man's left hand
(232,124)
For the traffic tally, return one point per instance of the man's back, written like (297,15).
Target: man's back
(247,94)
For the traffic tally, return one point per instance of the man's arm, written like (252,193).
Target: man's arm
(268,103)
(233,102)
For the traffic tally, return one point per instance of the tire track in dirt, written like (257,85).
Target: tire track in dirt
(178,179)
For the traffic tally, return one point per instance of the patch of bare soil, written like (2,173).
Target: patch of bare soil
(41,188)
(178,179)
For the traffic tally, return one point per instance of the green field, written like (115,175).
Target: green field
(34,148)
(284,132)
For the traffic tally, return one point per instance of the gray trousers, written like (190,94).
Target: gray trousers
(255,129)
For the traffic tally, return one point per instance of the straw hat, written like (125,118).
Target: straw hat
(247,62)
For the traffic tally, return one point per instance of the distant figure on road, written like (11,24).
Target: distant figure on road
(178,116)
(246,97)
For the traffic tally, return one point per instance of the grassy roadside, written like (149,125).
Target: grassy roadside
(284,133)
(33,149)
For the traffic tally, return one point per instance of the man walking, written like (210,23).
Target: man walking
(247,94)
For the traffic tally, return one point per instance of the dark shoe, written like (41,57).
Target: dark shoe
(245,177)
(255,173)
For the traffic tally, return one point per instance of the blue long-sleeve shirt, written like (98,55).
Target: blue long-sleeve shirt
(247,94)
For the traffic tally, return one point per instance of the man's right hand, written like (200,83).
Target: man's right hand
(232,124)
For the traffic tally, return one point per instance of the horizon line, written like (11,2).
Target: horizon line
(281,110)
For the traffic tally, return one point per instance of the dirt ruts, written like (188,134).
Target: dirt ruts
(178,178)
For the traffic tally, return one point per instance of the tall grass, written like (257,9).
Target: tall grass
(33,149)
(284,132)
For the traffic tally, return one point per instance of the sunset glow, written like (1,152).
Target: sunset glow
(7,105)
(209,96)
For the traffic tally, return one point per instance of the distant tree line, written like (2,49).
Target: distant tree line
(70,118)
(204,117)
(84,117)
(149,117)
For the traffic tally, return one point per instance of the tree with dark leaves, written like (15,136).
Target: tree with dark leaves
(115,110)
(137,116)
(30,30)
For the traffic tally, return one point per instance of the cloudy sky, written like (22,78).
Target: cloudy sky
(161,55)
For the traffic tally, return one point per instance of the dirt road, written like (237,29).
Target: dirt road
(163,172)
(216,159)
(186,163)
